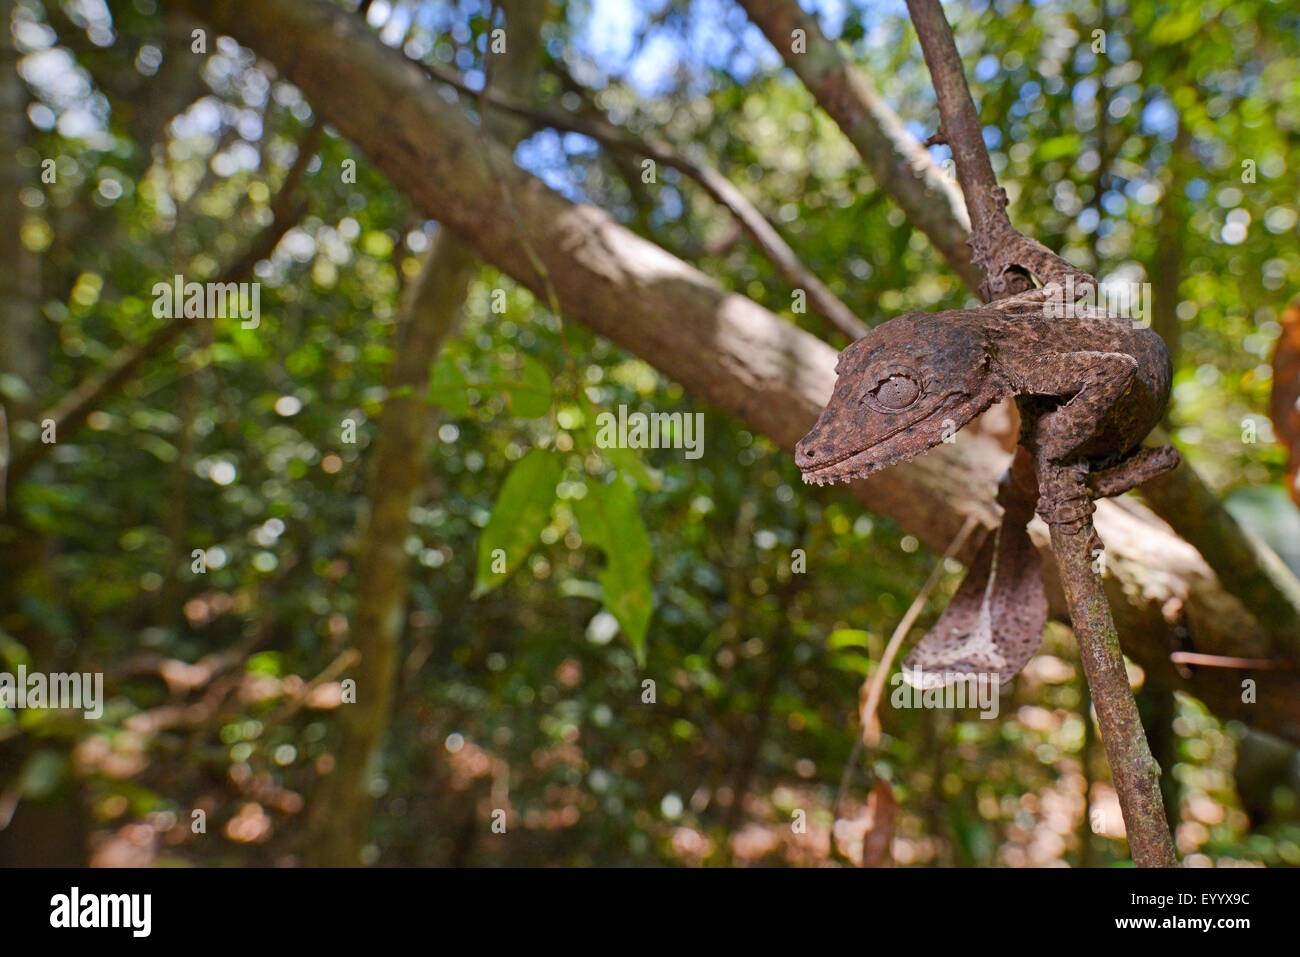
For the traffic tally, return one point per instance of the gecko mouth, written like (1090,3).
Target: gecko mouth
(873,457)
(844,469)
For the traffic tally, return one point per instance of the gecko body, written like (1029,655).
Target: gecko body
(1089,386)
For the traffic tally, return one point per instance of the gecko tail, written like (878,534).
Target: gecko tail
(994,624)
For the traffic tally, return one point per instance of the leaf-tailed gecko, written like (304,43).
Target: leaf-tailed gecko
(1089,387)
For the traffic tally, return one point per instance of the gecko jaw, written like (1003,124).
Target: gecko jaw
(893,448)
(845,470)
(832,475)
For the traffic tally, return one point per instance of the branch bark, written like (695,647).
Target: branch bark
(727,350)
(1133,769)
(900,165)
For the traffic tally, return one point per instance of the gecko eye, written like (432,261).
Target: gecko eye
(895,392)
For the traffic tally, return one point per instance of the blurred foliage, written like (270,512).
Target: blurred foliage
(527,695)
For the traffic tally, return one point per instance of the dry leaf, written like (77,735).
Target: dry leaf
(882,808)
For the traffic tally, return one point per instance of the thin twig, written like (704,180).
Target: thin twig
(72,410)
(770,243)
(1225,661)
(873,687)
(345,660)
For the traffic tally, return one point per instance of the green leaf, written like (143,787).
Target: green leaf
(448,387)
(13,652)
(522,509)
(1176,27)
(854,663)
(42,774)
(630,464)
(848,638)
(160,449)
(529,393)
(1058,147)
(627,461)
(610,520)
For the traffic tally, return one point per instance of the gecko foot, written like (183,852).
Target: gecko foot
(1139,467)
(1064,498)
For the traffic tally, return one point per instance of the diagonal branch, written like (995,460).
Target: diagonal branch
(718,187)
(770,243)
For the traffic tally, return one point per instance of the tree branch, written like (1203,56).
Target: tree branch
(757,226)
(900,165)
(962,130)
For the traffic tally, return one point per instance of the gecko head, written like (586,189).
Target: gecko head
(903,388)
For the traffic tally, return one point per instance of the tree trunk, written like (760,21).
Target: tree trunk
(341,810)
(21,332)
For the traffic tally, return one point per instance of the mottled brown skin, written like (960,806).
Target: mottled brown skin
(1089,386)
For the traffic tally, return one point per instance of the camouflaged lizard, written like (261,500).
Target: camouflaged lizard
(1089,386)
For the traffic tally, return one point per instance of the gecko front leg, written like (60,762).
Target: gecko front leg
(1091,382)
(1133,470)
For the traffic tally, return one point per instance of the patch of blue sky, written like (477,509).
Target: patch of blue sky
(1160,118)
(714,35)
(547,155)
(986,68)
(1085,90)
